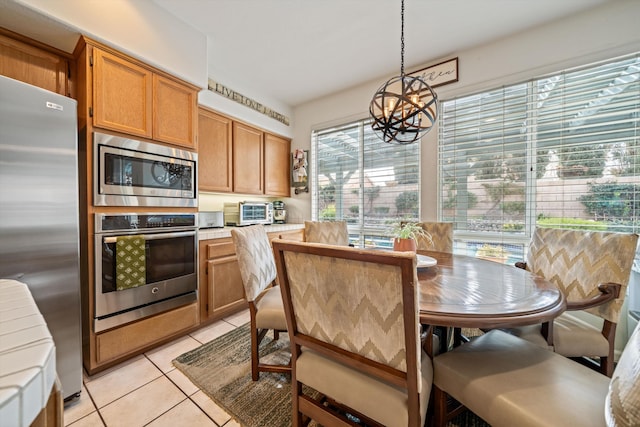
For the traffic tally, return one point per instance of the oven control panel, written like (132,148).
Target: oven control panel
(147,221)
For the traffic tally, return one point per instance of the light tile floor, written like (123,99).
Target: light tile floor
(148,390)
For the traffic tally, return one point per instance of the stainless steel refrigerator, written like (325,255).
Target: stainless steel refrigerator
(39,237)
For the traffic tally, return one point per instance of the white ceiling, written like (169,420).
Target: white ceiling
(294,51)
(298,50)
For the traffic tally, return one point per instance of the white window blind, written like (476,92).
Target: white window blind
(361,179)
(559,151)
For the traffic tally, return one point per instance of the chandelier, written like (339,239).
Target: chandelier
(405,108)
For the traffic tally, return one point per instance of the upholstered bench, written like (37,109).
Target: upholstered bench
(509,382)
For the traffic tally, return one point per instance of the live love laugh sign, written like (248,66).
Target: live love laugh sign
(220,89)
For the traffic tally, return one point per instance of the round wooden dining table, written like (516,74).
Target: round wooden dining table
(467,292)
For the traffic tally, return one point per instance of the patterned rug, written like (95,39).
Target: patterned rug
(222,369)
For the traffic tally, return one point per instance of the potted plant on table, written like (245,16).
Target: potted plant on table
(406,234)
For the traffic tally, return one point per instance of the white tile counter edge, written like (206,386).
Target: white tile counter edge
(27,360)
(218,233)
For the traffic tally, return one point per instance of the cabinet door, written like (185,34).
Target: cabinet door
(221,288)
(174,112)
(248,159)
(32,65)
(122,95)
(276,165)
(226,291)
(214,152)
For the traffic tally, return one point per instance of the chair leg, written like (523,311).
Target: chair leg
(606,363)
(606,366)
(439,407)
(255,344)
(296,415)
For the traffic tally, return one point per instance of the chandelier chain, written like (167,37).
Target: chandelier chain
(404,108)
(402,39)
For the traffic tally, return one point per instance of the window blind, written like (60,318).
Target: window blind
(361,179)
(559,151)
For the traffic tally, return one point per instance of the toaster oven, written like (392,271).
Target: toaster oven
(248,213)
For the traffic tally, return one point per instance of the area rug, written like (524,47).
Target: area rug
(221,368)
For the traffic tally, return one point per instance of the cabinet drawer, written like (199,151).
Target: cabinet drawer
(223,247)
(294,235)
(122,341)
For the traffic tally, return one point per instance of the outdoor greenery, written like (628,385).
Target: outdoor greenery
(582,160)
(572,223)
(497,192)
(612,200)
(407,203)
(328,213)
(510,167)
(627,154)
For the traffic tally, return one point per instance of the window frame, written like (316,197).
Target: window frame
(465,236)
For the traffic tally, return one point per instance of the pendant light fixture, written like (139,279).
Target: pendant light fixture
(405,108)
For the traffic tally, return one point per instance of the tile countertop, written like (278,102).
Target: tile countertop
(27,356)
(217,233)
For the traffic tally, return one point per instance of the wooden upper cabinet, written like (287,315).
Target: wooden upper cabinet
(132,98)
(237,158)
(214,152)
(35,66)
(276,165)
(122,95)
(174,112)
(248,160)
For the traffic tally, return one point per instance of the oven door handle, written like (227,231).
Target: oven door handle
(113,239)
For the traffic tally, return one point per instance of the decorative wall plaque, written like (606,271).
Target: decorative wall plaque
(222,90)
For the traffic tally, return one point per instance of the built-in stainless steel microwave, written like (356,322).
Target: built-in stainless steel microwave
(128,172)
(248,213)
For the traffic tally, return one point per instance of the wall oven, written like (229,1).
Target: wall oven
(128,172)
(145,264)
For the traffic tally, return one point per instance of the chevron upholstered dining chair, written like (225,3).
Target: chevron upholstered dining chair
(352,317)
(592,270)
(329,232)
(258,272)
(441,237)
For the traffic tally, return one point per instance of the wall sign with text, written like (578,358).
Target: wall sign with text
(222,90)
(439,74)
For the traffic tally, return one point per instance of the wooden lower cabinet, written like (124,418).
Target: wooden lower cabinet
(295,235)
(130,339)
(52,415)
(221,288)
